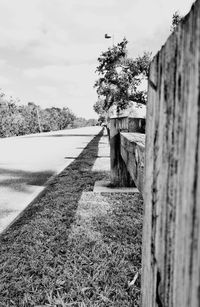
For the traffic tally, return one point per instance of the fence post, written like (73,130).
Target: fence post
(118,169)
(171,234)
(119,175)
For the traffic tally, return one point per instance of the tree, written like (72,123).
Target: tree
(119,78)
(10,118)
(66,118)
(98,107)
(31,115)
(79,122)
(92,122)
(176,18)
(56,118)
(101,119)
(25,119)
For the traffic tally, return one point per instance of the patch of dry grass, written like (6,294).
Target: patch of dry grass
(73,249)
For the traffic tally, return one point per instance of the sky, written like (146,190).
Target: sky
(49,48)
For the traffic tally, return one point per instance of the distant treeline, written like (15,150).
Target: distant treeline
(26,119)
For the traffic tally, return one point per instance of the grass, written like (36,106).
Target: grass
(72,247)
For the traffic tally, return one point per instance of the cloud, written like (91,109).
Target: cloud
(20,22)
(75,82)
(4,81)
(63,74)
(65,54)
(48,90)
(2,62)
(49,48)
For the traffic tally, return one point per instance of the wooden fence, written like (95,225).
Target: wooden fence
(171,189)
(120,175)
(171,238)
(132,150)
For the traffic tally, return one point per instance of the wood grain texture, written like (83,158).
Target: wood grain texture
(171,233)
(119,174)
(133,153)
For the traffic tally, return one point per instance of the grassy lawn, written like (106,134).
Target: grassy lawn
(72,247)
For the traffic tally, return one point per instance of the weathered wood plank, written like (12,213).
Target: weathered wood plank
(171,239)
(119,173)
(120,177)
(133,153)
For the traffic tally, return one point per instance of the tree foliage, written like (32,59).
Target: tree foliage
(98,107)
(176,18)
(18,119)
(119,78)
(82,122)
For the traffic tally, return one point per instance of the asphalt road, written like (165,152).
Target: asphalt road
(27,162)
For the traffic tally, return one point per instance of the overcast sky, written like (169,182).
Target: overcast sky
(49,48)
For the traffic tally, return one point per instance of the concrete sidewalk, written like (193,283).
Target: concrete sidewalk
(28,162)
(102,162)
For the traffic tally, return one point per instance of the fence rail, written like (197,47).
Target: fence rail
(133,154)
